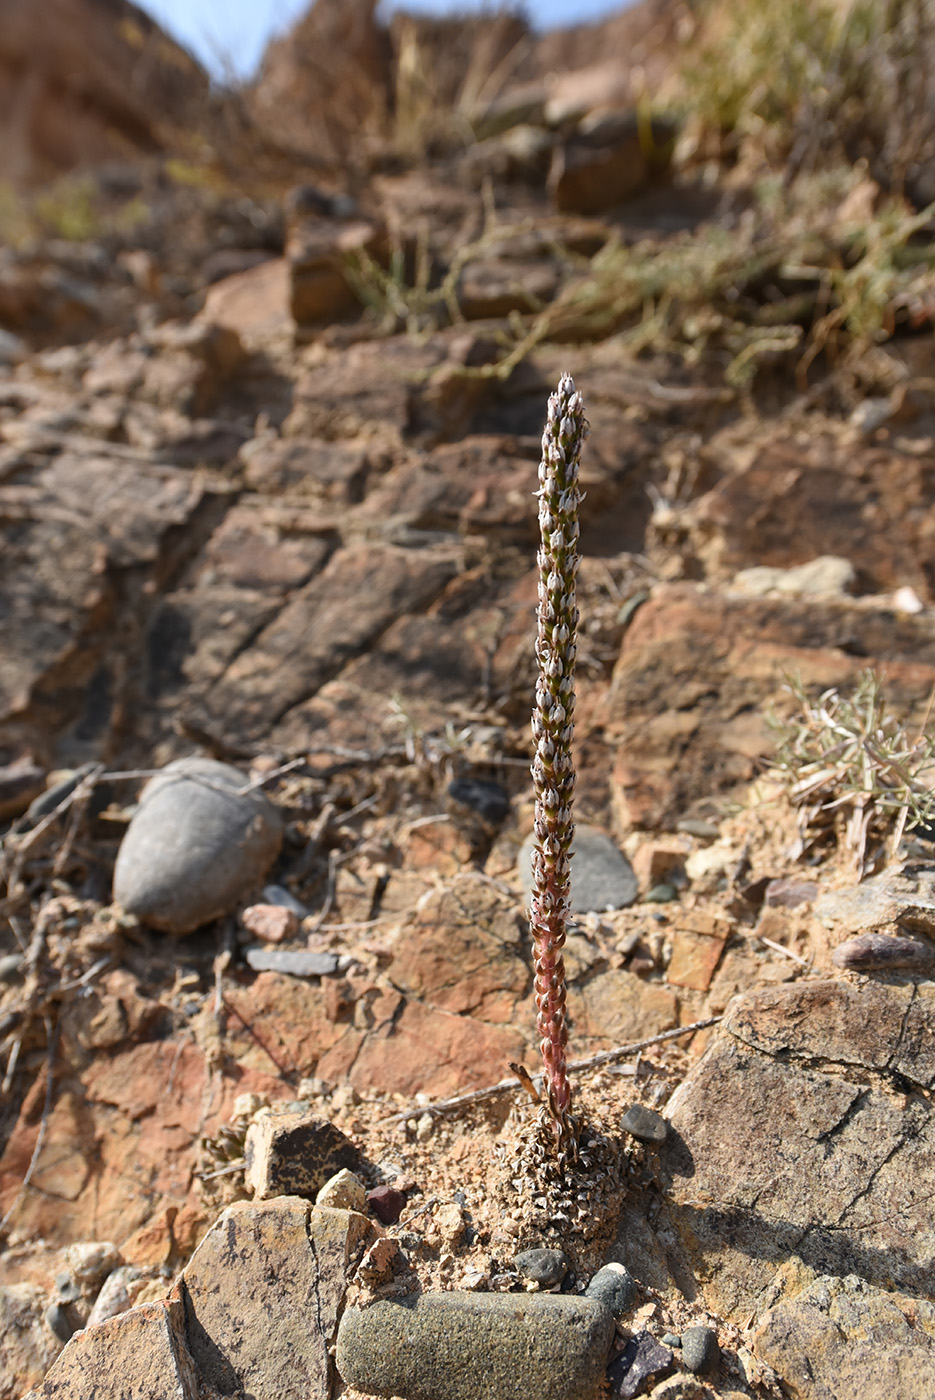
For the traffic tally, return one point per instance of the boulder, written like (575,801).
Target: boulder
(195,846)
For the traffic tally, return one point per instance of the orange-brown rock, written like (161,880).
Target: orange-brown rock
(84,81)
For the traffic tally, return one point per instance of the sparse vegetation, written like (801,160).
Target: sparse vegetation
(853,772)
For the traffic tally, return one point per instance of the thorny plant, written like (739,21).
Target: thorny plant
(853,772)
(553,768)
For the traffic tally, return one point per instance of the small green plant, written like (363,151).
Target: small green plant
(855,776)
(553,768)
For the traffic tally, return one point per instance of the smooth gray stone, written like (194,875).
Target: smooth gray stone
(878,952)
(293,961)
(661,894)
(284,899)
(700,1349)
(697,826)
(477,1346)
(195,846)
(645,1124)
(615,1287)
(601,876)
(547,1267)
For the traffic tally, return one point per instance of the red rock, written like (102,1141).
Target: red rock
(271,922)
(386,1203)
(255,302)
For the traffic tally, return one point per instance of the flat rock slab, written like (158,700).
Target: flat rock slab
(140,1353)
(801,1135)
(601,876)
(842,1339)
(467,1346)
(262,1295)
(904,896)
(197,844)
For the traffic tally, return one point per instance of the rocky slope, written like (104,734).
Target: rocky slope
(267,456)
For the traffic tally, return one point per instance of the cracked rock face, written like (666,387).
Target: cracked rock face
(804,1142)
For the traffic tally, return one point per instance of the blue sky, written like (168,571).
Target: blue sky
(231,34)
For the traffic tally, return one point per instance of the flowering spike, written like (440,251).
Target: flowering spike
(552,726)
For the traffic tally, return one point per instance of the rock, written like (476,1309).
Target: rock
(272,923)
(27,1344)
(795,1139)
(645,1124)
(471,1346)
(324,82)
(488,799)
(492,287)
(615,1287)
(827,575)
(318,253)
(700,1349)
(294,1154)
(608,160)
(262,1295)
(73,77)
(89,1262)
(661,894)
(903,895)
(255,302)
(601,876)
(790,894)
(682,1386)
(114,1296)
(698,670)
(641,1358)
(545,1267)
(195,845)
(879,952)
(843,1339)
(20,784)
(292,961)
(141,1352)
(386,1203)
(344,1190)
(694,826)
(284,899)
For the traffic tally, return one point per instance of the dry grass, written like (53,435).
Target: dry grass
(854,774)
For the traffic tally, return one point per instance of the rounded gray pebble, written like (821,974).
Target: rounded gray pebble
(601,876)
(876,952)
(697,826)
(645,1124)
(195,846)
(546,1267)
(669,1339)
(700,1349)
(661,894)
(58,1321)
(615,1287)
(476,1346)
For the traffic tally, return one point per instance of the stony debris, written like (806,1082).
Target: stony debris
(644,1124)
(343,1190)
(294,1154)
(462,1345)
(879,952)
(602,877)
(700,1349)
(843,1339)
(798,1137)
(546,1268)
(140,1352)
(641,1358)
(615,1287)
(196,844)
